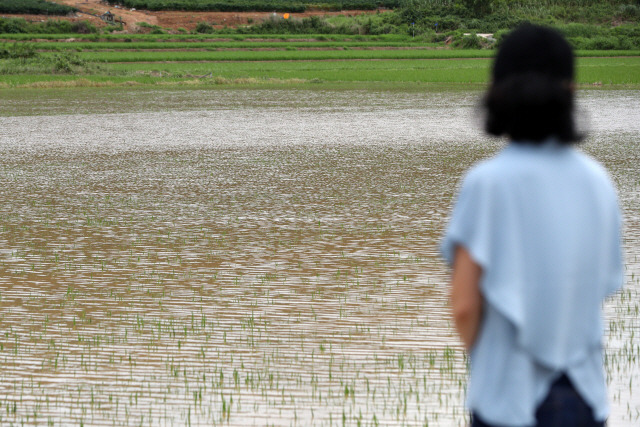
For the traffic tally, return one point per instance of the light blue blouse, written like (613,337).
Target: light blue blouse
(544,224)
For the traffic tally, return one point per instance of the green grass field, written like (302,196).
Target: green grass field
(221,45)
(269,61)
(298,55)
(590,70)
(279,55)
(606,71)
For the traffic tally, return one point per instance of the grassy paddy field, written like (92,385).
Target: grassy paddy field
(203,37)
(277,60)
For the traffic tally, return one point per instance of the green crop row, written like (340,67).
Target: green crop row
(19,29)
(280,55)
(606,71)
(589,71)
(302,55)
(200,46)
(34,7)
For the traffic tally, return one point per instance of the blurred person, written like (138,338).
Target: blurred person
(535,245)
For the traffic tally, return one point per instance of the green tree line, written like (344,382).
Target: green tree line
(34,7)
(489,16)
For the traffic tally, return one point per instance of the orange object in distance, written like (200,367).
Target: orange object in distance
(285,16)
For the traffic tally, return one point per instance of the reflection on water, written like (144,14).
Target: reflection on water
(267,258)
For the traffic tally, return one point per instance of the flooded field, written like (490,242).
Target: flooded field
(263,257)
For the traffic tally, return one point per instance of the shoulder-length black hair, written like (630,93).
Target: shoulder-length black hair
(531,96)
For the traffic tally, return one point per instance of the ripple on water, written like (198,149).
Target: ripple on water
(267,258)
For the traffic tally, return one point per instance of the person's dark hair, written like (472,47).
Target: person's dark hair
(531,93)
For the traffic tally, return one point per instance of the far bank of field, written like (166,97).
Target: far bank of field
(286,62)
(420,41)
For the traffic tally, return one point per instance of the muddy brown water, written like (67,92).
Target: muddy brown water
(255,257)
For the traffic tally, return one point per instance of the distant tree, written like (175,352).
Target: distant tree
(36,7)
(478,7)
(204,28)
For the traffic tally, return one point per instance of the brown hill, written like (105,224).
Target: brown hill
(91,10)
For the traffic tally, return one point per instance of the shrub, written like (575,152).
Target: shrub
(13,26)
(478,7)
(204,28)
(600,43)
(468,42)
(577,30)
(57,26)
(152,29)
(67,62)
(499,36)
(578,43)
(64,63)
(86,27)
(112,28)
(603,43)
(310,25)
(626,30)
(629,11)
(628,43)
(18,50)
(51,26)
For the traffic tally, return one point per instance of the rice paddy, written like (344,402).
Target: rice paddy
(203,37)
(254,257)
(111,60)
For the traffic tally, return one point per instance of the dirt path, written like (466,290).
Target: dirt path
(179,19)
(96,7)
(189,20)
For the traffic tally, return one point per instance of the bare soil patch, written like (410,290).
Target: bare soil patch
(95,8)
(92,9)
(189,20)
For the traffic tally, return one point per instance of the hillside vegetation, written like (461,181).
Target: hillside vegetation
(293,6)
(494,15)
(51,26)
(449,12)
(34,7)
(588,24)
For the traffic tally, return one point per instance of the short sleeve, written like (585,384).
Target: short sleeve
(545,227)
(471,221)
(615,273)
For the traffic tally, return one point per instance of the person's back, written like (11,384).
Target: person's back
(538,229)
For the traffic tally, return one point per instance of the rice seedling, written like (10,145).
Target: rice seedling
(181,276)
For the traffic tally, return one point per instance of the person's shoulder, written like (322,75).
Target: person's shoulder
(489,170)
(596,174)
(593,168)
(589,163)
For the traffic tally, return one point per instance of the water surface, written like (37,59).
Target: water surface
(255,257)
